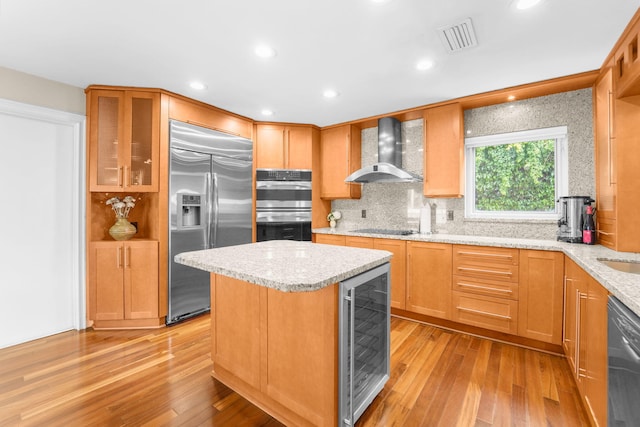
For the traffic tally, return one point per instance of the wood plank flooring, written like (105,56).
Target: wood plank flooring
(162,378)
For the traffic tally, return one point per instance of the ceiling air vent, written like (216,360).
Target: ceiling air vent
(459,36)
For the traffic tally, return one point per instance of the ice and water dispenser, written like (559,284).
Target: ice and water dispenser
(190,210)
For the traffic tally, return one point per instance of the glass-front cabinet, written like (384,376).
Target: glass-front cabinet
(124,129)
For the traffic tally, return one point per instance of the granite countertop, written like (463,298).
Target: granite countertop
(285,265)
(624,286)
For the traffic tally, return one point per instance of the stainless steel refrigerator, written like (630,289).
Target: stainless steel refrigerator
(210,206)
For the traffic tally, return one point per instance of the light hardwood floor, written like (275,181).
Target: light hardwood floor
(162,377)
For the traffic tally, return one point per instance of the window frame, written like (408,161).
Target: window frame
(561,136)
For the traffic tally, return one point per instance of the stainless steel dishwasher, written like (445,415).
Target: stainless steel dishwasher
(624,365)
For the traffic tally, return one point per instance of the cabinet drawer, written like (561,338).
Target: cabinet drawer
(606,232)
(488,287)
(486,262)
(497,314)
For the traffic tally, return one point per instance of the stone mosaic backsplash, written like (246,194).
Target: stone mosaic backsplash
(397,205)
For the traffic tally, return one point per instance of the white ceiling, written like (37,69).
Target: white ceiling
(367,51)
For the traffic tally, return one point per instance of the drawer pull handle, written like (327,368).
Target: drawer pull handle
(480,254)
(484,288)
(479,270)
(484,313)
(605,233)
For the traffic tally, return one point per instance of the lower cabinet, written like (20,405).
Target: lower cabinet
(429,279)
(123,284)
(330,239)
(289,367)
(398,269)
(540,302)
(585,338)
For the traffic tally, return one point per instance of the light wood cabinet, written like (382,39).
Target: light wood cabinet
(341,156)
(260,365)
(398,265)
(585,338)
(123,284)
(627,59)
(443,151)
(429,279)
(200,114)
(124,132)
(540,302)
(330,239)
(486,287)
(605,151)
(359,242)
(283,147)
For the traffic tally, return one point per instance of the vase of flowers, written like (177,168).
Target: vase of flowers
(333,218)
(122,229)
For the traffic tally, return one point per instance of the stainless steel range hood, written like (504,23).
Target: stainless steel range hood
(389,166)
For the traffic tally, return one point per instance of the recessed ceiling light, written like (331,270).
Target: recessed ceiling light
(526,4)
(197,85)
(330,93)
(424,65)
(265,51)
(266,112)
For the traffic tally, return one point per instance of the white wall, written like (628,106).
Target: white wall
(42,257)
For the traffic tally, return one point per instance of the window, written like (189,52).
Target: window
(517,175)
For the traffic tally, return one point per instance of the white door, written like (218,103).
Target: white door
(41,222)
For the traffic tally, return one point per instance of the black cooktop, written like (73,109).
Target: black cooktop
(384,231)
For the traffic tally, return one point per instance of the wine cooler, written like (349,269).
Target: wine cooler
(364,341)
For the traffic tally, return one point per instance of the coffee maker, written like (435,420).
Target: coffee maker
(572,214)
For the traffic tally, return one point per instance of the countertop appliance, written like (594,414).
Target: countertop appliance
(572,212)
(283,204)
(364,350)
(210,205)
(624,365)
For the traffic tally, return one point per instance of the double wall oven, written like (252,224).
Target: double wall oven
(283,204)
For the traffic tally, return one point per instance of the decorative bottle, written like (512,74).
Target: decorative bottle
(589,228)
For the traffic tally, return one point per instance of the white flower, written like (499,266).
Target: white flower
(334,216)
(121,207)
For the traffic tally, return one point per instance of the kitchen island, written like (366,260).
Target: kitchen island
(275,322)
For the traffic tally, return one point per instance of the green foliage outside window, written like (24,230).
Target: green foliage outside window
(516,177)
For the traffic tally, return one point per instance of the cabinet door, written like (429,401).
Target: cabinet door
(141,280)
(359,242)
(106,280)
(429,279)
(596,363)
(605,147)
(398,269)
(330,239)
(106,140)
(142,136)
(341,156)
(540,295)
(270,146)
(443,151)
(570,326)
(299,147)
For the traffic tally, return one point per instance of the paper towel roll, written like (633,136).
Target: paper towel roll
(425,220)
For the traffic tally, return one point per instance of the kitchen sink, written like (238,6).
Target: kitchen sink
(624,266)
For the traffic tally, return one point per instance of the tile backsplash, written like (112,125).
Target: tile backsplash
(397,205)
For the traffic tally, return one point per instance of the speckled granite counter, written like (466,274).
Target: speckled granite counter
(625,286)
(285,265)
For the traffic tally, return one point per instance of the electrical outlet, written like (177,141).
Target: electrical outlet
(364,213)
(449,215)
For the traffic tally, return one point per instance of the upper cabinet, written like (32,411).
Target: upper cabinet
(443,151)
(194,112)
(124,131)
(341,156)
(283,147)
(617,144)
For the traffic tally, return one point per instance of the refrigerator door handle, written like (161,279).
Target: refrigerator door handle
(209,190)
(216,209)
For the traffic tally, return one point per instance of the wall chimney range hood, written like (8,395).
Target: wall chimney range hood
(389,166)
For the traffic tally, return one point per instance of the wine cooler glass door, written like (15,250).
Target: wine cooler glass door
(364,344)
